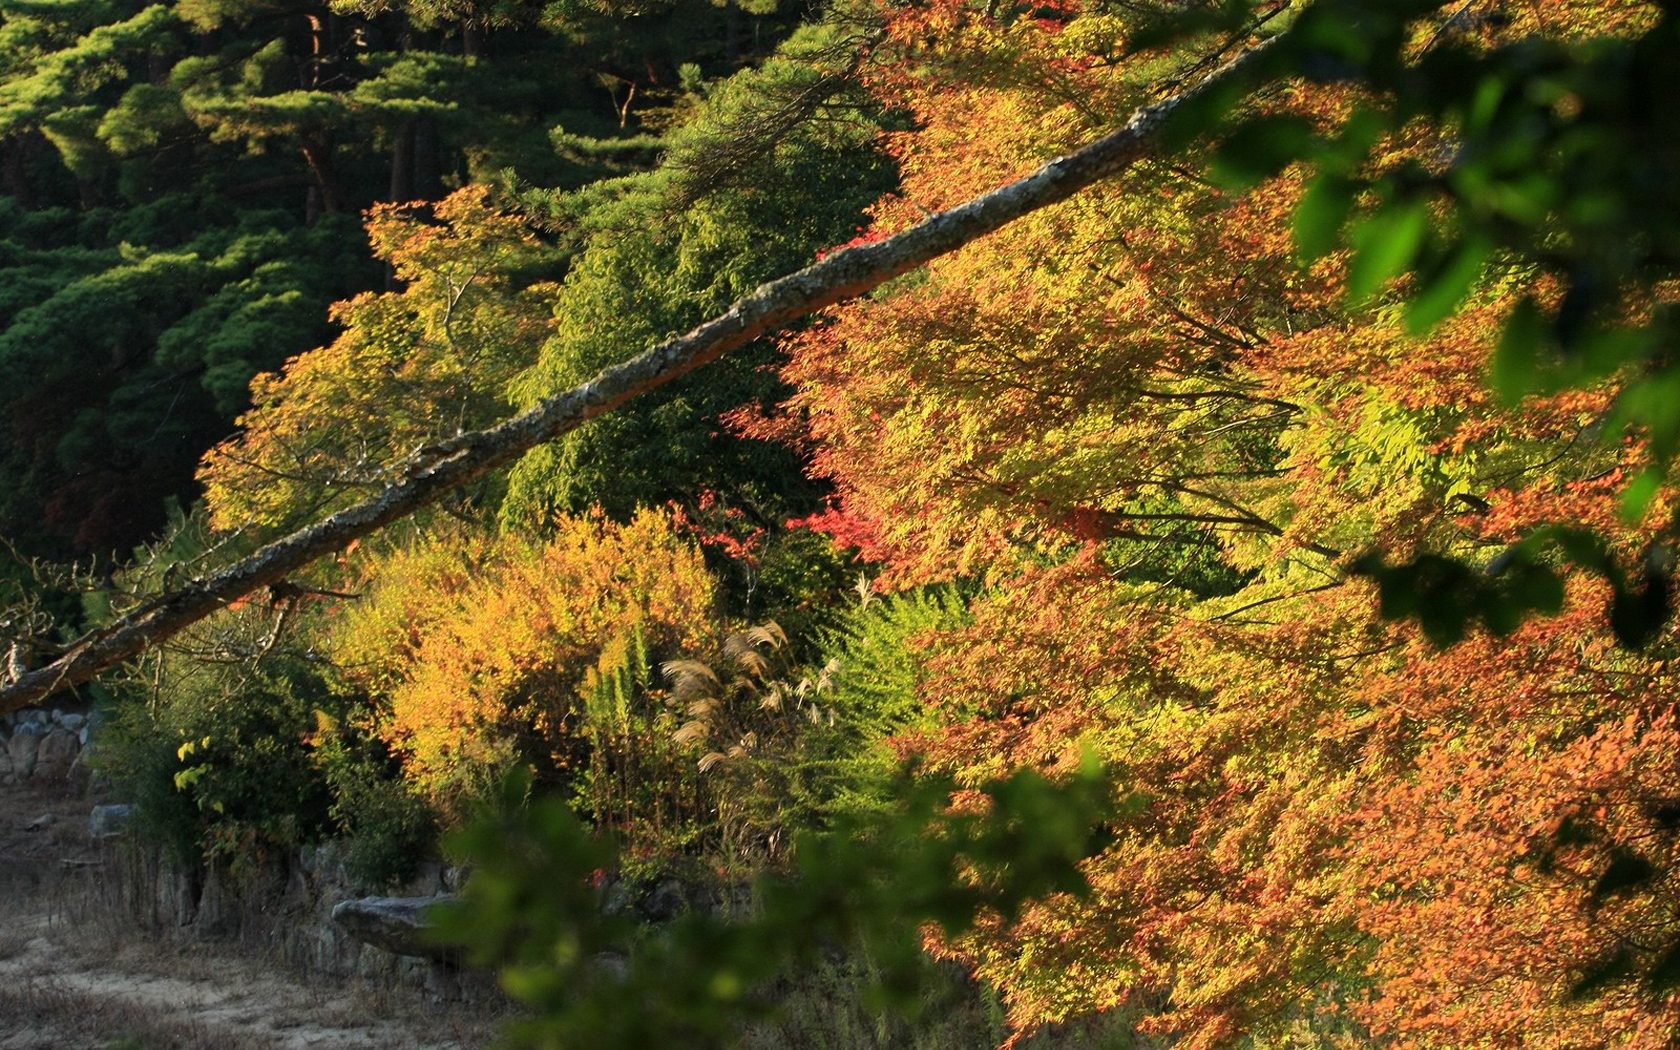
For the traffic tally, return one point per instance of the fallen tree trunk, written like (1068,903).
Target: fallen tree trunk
(440,468)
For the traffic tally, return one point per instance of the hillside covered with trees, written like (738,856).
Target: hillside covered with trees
(1223,601)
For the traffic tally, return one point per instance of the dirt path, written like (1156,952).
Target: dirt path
(68,982)
(51,997)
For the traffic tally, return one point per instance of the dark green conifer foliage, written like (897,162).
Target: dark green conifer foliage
(125,353)
(181,185)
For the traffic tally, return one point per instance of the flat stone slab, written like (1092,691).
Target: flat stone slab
(392,923)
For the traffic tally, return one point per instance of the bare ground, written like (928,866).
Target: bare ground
(74,978)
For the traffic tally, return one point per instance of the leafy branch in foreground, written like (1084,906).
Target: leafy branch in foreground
(1552,156)
(1448,597)
(439,468)
(534,907)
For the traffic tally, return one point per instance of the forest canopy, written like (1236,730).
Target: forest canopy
(1224,599)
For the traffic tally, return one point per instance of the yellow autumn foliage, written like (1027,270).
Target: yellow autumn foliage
(486,650)
(409,367)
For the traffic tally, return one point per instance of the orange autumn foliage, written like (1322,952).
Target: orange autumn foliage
(1159,443)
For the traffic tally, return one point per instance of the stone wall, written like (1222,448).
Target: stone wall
(42,745)
(282,908)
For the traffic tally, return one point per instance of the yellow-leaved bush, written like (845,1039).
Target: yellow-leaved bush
(490,651)
(411,366)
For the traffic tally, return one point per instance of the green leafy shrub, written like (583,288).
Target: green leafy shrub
(217,759)
(389,830)
(801,581)
(874,883)
(877,665)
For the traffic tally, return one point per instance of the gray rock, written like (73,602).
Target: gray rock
(34,729)
(79,776)
(22,749)
(667,900)
(34,716)
(73,721)
(427,880)
(442,984)
(41,823)
(53,757)
(216,905)
(370,964)
(177,902)
(81,735)
(57,716)
(108,820)
(612,965)
(395,924)
(615,897)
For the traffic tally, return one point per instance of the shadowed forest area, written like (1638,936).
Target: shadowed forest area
(863,523)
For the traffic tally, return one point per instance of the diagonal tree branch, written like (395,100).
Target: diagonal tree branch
(440,468)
